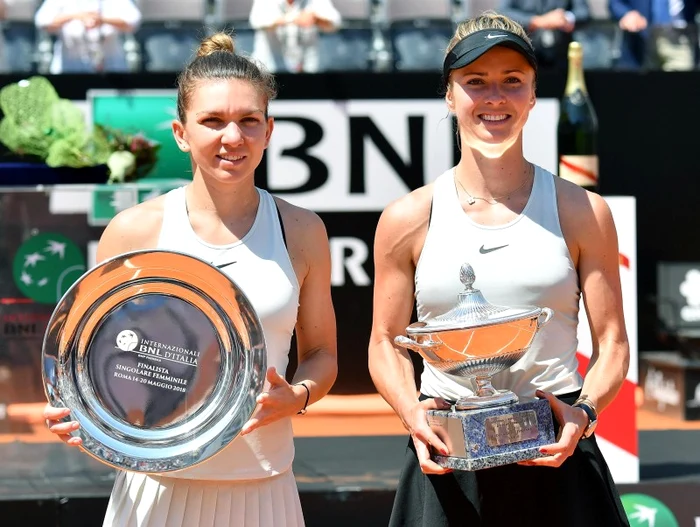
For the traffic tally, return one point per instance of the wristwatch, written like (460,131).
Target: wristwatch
(585,404)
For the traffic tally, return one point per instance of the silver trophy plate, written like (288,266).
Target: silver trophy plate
(160,357)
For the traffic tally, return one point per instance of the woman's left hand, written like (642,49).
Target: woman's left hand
(573,422)
(281,400)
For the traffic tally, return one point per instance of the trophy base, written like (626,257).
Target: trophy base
(490,437)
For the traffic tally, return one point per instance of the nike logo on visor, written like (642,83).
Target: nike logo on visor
(495,36)
(483,250)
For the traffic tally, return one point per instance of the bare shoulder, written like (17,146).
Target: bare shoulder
(133,229)
(411,209)
(404,224)
(582,214)
(300,224)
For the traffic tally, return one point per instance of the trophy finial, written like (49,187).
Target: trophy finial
(467,276)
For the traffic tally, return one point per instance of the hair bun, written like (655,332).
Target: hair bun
(216,42)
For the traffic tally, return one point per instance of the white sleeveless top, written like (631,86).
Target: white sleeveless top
(264,272)
(523,262)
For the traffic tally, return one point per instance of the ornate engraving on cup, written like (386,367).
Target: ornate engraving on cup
(477,340)
(159,356)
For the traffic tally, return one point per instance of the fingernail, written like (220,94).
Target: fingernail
(75,426)
(542,450)
(539,393)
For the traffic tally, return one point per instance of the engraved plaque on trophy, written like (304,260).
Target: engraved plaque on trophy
(160,357)
(476,340)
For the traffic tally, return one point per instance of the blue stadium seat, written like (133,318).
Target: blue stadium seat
(245,38)
(419,32)
(167,49)
(419,48)
(20,36)
(170,32)
(347,49)
(19,48)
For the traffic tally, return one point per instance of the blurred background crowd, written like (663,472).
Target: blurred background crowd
(69,36)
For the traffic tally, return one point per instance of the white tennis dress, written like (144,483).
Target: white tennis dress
(250,483)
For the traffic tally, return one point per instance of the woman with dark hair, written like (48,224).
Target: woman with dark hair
(532,239)
(282,264)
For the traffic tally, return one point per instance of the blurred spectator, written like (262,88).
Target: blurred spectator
(286,36)
(89,33)
(659,34)
(550,24)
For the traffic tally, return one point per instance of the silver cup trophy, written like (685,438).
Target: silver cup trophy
(477,340)
(160,357)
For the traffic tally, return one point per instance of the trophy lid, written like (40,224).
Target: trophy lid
(472,310)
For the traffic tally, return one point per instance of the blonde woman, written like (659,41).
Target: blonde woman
(548,242)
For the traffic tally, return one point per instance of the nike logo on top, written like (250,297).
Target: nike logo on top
(497,35)
(221,266)
(483,250)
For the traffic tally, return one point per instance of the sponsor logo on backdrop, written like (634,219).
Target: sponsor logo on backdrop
(695,401)
(690,289)
(644,511)
(46,265)
(333,155)
(661,389)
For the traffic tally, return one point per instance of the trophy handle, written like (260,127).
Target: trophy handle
(424,348)
(544,317)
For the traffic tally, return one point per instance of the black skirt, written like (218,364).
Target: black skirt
(579,493)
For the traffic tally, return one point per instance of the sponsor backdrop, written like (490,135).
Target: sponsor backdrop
(661,504)
(344,159)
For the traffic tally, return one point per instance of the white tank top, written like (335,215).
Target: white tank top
(523,262)
(264,272)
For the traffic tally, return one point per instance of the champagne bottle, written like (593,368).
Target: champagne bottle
(577,130)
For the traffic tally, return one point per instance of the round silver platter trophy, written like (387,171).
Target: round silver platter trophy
(160,357)
(476,340)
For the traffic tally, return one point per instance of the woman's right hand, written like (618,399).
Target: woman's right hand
(62,429)
(416,419)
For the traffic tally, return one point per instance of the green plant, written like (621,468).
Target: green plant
(38,123)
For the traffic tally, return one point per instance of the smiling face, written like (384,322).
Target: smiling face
(492,98)
(225,129)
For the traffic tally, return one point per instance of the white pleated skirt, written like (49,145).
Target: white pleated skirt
(141,500)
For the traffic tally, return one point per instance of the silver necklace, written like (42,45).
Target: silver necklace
(494,199)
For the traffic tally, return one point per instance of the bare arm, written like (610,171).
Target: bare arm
(316,327)
(264,15)
(599,274)
(398,242)
(317,368)
(119,236)
(124,16)
(389,365)
(590,232)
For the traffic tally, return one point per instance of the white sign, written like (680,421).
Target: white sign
(361,155)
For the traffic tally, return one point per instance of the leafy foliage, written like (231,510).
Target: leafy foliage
(37,122)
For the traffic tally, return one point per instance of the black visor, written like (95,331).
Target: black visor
(476,44)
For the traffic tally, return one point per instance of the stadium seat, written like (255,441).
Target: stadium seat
(350,47)
(419,32)
(234,14)
(20,37)
(170,32)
